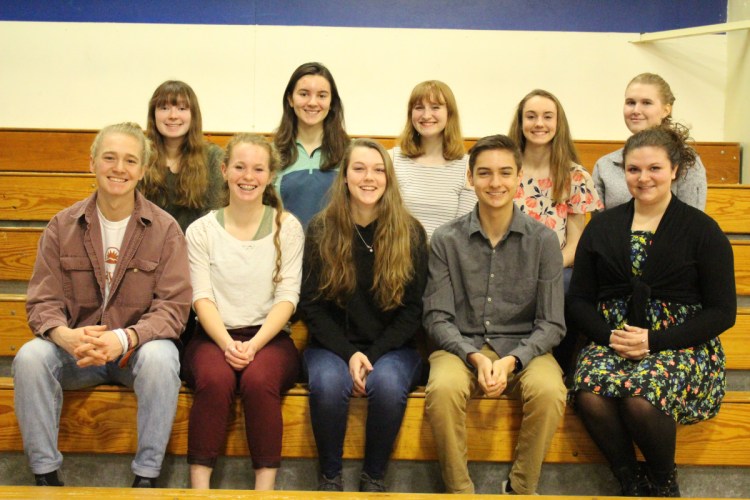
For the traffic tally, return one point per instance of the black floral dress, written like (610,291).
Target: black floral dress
(687,384)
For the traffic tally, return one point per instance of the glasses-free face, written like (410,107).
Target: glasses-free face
(539,120)
(173,120)
(495,178)
(118,165)
(311,100)
(365,178)
(247,173)
(643,107)
(429,118)
(649,174)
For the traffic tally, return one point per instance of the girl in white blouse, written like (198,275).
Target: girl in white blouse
(245,266)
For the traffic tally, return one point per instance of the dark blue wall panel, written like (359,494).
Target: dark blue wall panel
(629,16)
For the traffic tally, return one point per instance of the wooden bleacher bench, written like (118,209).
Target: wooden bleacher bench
(493,425)
(111,411)
(55,150)
(37,182)
(20,200)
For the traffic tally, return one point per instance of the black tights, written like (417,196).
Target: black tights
(616,423)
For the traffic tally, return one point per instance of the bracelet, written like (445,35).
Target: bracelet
(129,352)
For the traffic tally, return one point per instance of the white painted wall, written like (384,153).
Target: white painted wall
(85,75)
(738,84)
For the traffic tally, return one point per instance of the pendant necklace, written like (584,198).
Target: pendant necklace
(369,247)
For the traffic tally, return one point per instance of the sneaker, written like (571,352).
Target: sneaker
(506,489)
(48,479)
(333,484)
(144,482)
(370,485)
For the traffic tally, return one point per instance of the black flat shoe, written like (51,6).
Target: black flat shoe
(144,482)
(48,479)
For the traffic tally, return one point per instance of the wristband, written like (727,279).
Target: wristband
(122,337)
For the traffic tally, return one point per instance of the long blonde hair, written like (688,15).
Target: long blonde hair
(270,196)
(395,237)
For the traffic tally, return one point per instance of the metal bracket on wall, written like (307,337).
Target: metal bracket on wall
(697,30)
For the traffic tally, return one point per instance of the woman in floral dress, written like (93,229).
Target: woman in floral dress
(555,189)
(653,288)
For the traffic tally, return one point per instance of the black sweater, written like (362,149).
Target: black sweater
(361,325)
(689,261)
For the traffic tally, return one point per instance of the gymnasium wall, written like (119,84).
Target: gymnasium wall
(83,64)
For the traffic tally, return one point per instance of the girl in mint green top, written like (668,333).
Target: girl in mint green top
(310,140)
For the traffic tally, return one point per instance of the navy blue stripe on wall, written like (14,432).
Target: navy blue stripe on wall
(629,16)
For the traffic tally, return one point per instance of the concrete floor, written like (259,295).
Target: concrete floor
(403,476)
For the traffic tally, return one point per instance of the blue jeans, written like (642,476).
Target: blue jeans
(41,371)
(388,386)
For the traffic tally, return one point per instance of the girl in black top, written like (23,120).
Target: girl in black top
(652,288)
(364,272)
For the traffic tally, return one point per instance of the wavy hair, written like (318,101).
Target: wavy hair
(335,139)
(672,138)
(395,237)
(192,177)
(270,197)
(563,150)
(436,92)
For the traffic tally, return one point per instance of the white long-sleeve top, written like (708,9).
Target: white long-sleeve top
(237,275)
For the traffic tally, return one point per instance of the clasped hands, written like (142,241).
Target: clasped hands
(359,368)
(492,376)
(239,354)
(90,345)
(631,342)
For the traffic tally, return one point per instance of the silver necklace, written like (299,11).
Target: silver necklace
(369,247)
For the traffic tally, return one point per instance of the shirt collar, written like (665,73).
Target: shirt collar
(142,211)
(519,222)
(301,149)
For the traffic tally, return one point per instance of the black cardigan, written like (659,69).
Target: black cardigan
(362,325)
(690,261)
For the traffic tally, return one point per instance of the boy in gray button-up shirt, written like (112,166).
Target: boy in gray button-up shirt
(494,307)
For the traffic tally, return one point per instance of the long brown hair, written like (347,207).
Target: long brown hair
(335,139)
(192,177)
(564,152)
(270,196)
(433,91)
(395,237)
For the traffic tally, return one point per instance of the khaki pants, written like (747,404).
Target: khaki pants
(540,388)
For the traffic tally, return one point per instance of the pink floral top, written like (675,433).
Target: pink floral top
(534,197)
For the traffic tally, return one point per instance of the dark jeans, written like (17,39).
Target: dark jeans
(274,370)
(388,386)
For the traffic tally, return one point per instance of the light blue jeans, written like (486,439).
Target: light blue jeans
(41,371)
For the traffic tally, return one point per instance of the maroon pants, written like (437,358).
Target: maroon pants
(274,370)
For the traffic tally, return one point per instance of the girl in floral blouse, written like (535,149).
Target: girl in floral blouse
(554,189)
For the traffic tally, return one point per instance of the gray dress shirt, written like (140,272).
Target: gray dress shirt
(509,296)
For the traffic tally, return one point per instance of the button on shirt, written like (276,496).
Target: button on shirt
(509,296)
